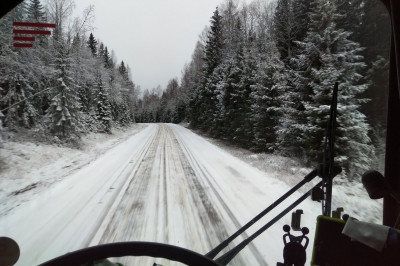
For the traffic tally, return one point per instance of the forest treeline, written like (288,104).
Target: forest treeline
(68,84)
(262,75)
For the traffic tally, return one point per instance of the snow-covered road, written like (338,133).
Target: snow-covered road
(164,184)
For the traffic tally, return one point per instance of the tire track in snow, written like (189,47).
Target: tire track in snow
(212,221)
(122,222)
(151,208)
(210,217)
(204,174)
(165,202)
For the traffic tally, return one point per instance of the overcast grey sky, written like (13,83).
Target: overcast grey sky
(155,37)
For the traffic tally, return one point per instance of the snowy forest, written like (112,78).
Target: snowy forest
(68,84)
(262,75)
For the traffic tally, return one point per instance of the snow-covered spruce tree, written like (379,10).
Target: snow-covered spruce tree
(17,73)
(252,56)
(169,101)
(107,58)
(291,138)
(92,44)
(329,56)
(374,35)
(296,92)
(84,67)
(127,105)
(63,115)
(352,17)
(213,48)
(125,118)
(115,94)
(195,116)
(213,57)
(20,111)
(100,51)
(290,26)
(103,109)
(116,85)
(20,76)
(122,70)
(239,111)
(228,93)
(35,11)
(85,97)
(265,98)
(190,83)
(283,28)
(221,81)
(131,98)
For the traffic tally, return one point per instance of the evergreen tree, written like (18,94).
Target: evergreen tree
(106,58)
(332,56)
(296,90)
(124,117)
(92,44)
(283,28)
(85,97)
(291,141)
(83,64)
(348,21)
(213,57)
(68,68)
(374,36)
(214,45)
(63,115)
(238,92)
(103,109)
(35,11)
(76,44)
(220,81)
(101,51)
(266,108)
(123,71)
(301,9)
(191,81)
(20,111)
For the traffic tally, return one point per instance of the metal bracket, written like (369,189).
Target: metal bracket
(296,220)
(337,214)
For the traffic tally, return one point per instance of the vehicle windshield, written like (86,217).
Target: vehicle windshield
(178,121)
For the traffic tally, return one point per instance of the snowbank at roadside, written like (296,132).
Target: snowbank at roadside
(350,195)
(27,168)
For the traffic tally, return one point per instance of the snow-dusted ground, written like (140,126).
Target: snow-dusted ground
(163,184)
(348,194)
(28,167)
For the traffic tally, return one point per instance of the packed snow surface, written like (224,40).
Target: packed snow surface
(163,184)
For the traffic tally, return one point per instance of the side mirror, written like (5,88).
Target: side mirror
(377,186)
